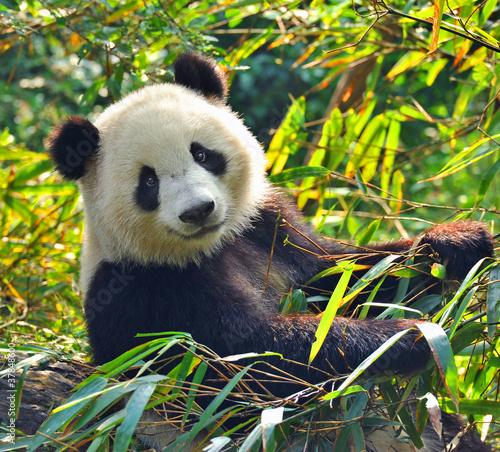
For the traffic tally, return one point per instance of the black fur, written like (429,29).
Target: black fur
(147,190)
(201,75)
(213,161)
(71,144)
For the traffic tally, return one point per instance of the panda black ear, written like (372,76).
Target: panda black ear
(71,144)
(201,74)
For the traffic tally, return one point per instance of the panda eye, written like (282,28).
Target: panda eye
(200,156)
(151,181)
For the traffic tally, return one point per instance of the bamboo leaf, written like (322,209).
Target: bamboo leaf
(133,412)
(493,301)
(486,181)
(390,153)
(32,171)
(443,355)
(408,61)
(330,311)
(282,143)
(369,231)
(474,407)
(298,173)
(436,25)
(372,358)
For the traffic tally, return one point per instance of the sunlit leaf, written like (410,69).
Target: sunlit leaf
(330,312)
(391,145)
(408,61)
(298,173)
(438,271)
(282,143)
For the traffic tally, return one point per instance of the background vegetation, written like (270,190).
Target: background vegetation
(380,118)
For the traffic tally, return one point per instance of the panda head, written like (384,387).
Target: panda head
(168,174)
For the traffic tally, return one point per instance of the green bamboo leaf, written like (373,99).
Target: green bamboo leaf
(19,444)
(17,154)
(461,310)
(366,306)
(205,418)
(397,190)
(45,189)
(354,412)
(376,271)
(475,407)
(327,153)
(392,397)
(134,409)
(368,233)
(103,401)
(471,276)
(10,4)
(282,144)
(372,155)
(330,311)
(408,61)
(339,268)
(372,358)
(98,442)
(364,152)
(249,46)
(197,379)
(390,153)
(32,171)
(438,271)
(355,123)
(434,70)
(462,160)
(20,208)
(468,334)
(90,95)
(336,394)
(443,355)
(493,301)
(486,181)
(486,11)
(298,173)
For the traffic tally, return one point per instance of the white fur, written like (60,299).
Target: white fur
(155,126)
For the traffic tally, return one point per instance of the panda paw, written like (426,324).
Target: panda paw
(459,246)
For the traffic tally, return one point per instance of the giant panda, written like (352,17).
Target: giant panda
(180,224)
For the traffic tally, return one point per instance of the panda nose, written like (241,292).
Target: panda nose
(198,215)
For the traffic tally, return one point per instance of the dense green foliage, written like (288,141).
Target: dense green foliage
(377,124)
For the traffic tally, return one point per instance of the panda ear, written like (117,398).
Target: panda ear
(71,144)
(201,74)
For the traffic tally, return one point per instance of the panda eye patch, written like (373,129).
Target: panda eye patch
(147,191)
(212,161)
